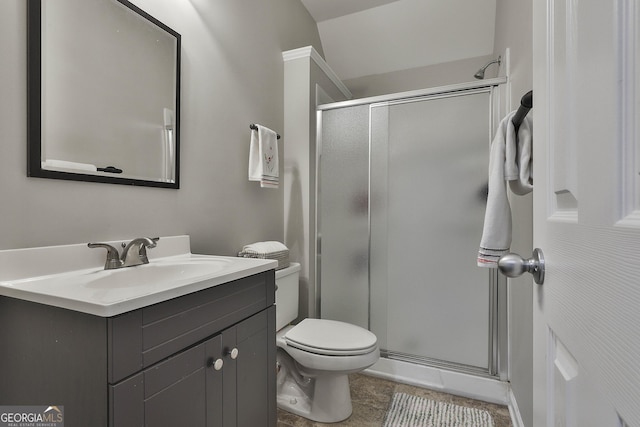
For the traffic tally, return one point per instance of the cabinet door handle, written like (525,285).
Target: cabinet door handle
(217,364)
(233,353)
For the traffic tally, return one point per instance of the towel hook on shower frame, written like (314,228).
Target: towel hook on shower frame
(526,104)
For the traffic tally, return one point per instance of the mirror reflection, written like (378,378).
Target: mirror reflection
(103,93)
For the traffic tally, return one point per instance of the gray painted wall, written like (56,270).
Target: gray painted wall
(232,75)
(514,30)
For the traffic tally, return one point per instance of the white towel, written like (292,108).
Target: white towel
(510,160)
(271,246)
(263,157)
(267,250)
(63,164)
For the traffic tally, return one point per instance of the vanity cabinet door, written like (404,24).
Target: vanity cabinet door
(176,389)
(214,378)
(249,380)
(187,390)
(184,390)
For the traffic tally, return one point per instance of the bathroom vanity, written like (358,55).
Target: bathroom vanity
(202,356)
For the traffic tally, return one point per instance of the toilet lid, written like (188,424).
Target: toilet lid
(330,337)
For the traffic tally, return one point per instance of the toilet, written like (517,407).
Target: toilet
(315,357)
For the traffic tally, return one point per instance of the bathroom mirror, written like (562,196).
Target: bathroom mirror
(103,94)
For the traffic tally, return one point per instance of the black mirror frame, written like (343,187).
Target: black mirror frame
(34,105)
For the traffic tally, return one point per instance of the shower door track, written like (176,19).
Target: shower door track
(436,363)
(497,340)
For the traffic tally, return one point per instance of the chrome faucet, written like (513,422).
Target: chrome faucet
(134,253)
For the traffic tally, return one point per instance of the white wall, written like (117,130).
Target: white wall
(407,34)
(443,74)
(232,75)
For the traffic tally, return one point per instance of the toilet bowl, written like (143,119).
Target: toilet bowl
(316,356)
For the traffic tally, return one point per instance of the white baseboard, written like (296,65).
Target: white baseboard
(516,418)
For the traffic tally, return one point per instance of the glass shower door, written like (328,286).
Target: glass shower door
(429,302)
(343,216)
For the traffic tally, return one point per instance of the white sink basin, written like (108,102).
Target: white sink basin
(111,292)
(154,273)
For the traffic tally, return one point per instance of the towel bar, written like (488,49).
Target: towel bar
(254,127)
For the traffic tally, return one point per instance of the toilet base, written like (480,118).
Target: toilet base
(325,399)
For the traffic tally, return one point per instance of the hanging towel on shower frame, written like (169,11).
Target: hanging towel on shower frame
(510,160)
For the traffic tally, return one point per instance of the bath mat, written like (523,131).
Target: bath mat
(413,411)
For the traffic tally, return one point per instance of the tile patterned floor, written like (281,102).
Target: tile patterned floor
(371,397)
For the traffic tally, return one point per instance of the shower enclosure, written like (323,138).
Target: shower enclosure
(402,185)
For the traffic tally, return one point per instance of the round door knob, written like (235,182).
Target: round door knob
(217,364)
(233,353)
(513,265)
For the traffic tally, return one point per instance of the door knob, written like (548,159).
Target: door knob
(513,265)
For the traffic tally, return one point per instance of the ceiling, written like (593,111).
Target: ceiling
(368,37)
(321,10)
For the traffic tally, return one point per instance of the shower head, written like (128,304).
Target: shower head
(480,74)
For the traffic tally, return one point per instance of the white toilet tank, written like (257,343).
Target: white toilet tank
(287,290)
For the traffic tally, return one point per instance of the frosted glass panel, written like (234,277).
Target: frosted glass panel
(401,201)
(343,220)
(429,177)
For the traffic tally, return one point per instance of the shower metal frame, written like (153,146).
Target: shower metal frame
(498,319)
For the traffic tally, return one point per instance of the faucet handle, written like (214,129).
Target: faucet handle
(143,249)
(113,257)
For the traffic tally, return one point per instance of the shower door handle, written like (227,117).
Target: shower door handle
(513,265)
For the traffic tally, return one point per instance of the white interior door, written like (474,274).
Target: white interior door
(587,212)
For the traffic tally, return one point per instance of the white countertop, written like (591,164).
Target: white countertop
(73,276)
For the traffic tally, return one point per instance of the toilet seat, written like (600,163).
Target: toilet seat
(330,338)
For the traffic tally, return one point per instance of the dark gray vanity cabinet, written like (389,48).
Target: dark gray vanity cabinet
(188,390)
(156,366)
